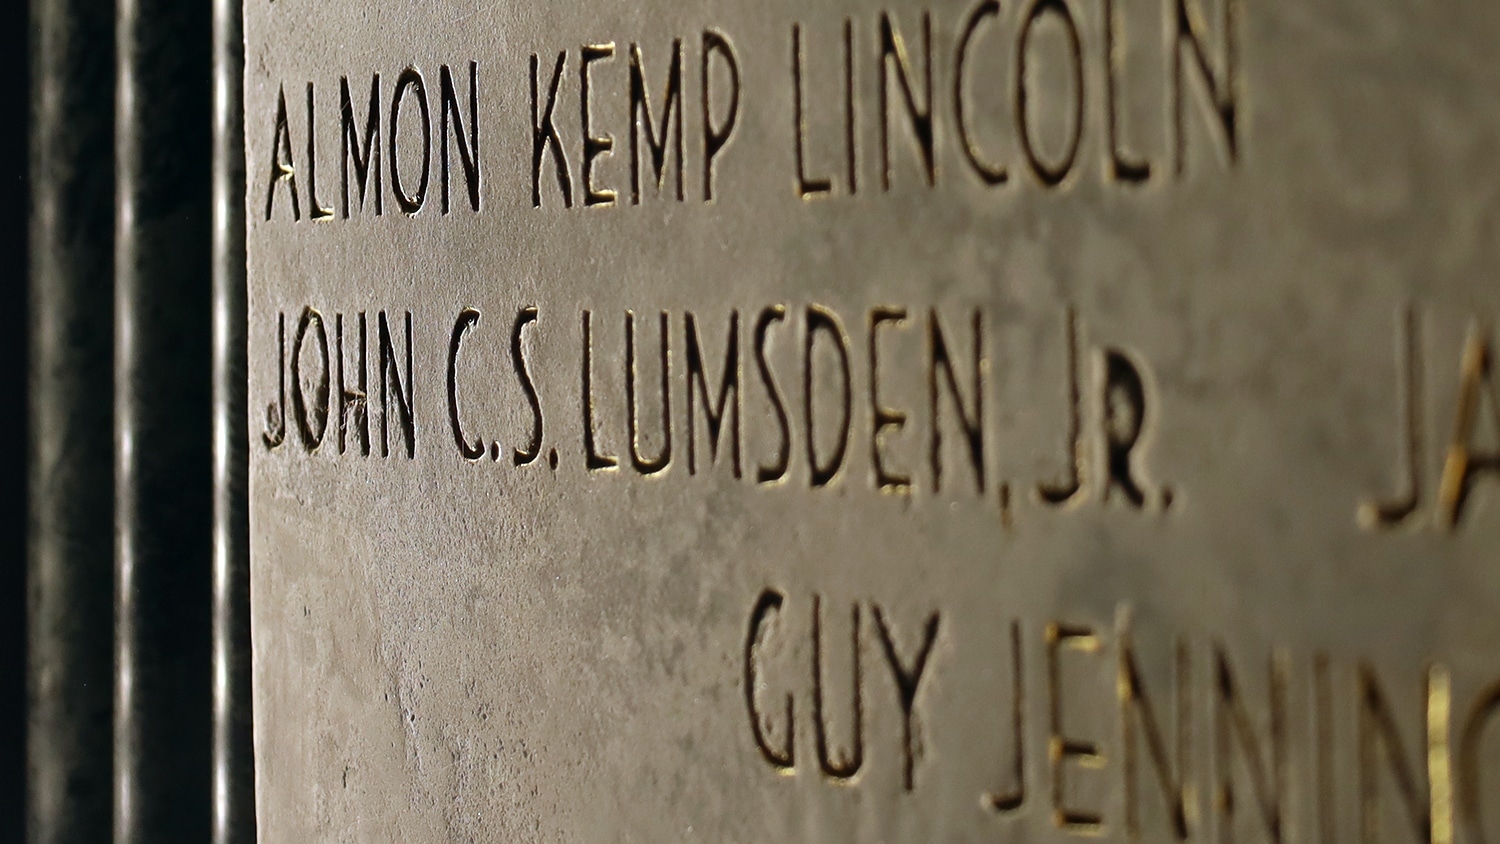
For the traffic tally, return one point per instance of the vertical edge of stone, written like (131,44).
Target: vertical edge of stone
(164,478)
(70,529)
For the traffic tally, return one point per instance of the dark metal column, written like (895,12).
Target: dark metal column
(163,421)
(15,63)
(71,492)
(234,765)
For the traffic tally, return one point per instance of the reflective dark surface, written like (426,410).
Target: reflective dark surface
(135,610)
(14,235)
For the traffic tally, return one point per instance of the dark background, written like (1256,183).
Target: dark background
(15,203)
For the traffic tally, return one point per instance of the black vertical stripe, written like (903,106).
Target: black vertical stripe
(70,452)
(163,421)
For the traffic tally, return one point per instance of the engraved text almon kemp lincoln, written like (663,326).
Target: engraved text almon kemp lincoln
(972,420)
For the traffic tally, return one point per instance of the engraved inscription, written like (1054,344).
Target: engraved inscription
(1470,454)
(945,420)
(656,136)
(311,391)
(899,400)
(1000,123)
(408,146)
(906,671)
(936,91)
(1387,759)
